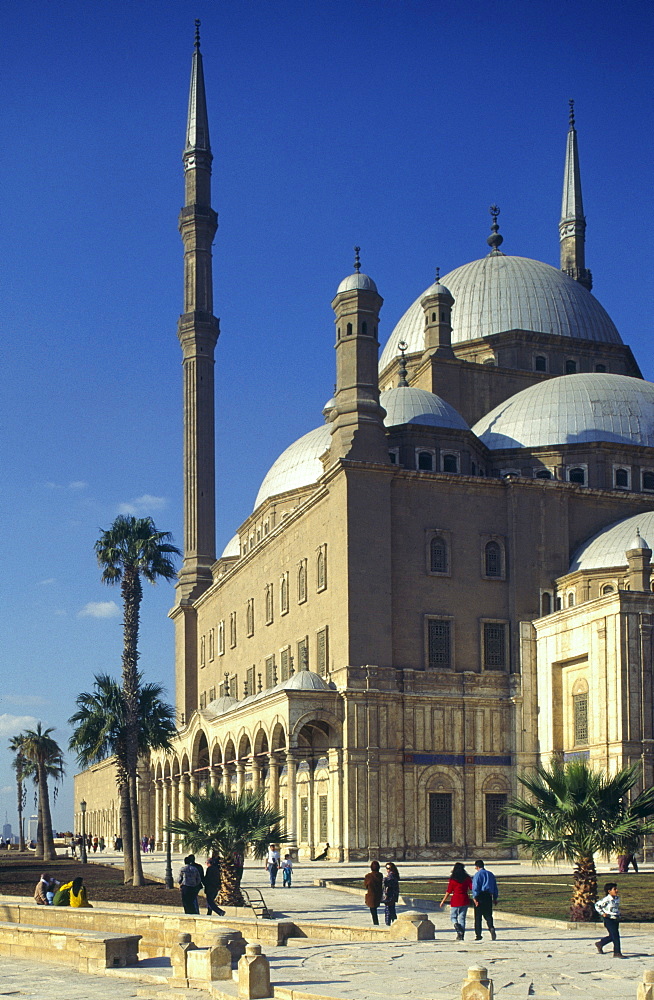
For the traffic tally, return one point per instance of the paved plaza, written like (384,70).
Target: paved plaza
(537,961)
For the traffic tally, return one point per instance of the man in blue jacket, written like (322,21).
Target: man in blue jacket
(484,894)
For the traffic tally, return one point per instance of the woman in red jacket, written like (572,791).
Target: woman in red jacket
(458,888)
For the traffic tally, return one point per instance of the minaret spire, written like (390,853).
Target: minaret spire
(572,227)
(198,332)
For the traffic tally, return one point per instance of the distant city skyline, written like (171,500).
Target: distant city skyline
(390,126)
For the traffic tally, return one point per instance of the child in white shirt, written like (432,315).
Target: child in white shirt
(609,909)
(287,871)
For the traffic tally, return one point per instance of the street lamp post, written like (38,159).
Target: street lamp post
(82,806)
(170,884)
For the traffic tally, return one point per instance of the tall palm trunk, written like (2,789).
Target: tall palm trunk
(49,853)
(230,884)
(132,593)
(21,832)
(584,893)
(126,832)
(38,854)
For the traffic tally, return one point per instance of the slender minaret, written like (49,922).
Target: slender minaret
(198,332)
(572,227)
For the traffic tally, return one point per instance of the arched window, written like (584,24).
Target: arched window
(438,555)
(493,559)
(607,589)
(600,368)
(302,582)
(349,329)
(542,474)
(570,367)
(425,461)
(269,603)
(577,476)
(250,617)
(546,604)
(571,600)
(321,567)
(648,480)
(433,317)
(489,361)
(540,363)
(450,463)
(622,479)
(580,717)
(283,593)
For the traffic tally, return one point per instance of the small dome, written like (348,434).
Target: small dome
(299,465)
(220,706)
(408,405)
(233,548)
(356,281)
(499,293)
(305,680)
(438,288)
(573,409)
(607,548)
(328,407)
(638,542)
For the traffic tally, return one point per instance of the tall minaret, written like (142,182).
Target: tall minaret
(198,332)
(572,227)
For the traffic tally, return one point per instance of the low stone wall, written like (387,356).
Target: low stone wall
(86,951)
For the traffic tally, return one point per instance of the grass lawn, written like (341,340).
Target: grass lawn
(544,895)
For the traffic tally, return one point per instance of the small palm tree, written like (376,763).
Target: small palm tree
(576,813)
(99,732)
(45,760)
(225,827)
(20,766)
(131,548)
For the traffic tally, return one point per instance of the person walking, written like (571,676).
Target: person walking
(373,883)
(287,871)
(458,888)
(609,909)
(390,893)
(484,895)
(190,884)
(212,886)
(272,864)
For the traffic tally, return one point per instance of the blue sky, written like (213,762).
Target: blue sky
(392,124)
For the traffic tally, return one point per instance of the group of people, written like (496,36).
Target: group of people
(192,878)
(50,892)
(274,863)
(147,845)
(382,889)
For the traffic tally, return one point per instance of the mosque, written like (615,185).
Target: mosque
(444,582)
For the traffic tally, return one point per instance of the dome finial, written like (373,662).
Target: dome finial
(226,684)
(357,259)
(197,32)
(438,275)
(495,240)
(572,113)
(402,347)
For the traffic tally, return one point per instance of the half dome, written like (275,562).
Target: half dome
(607,548)
(573,409)
(499,293)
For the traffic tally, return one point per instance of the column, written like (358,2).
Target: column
(336,800)
(184,784)
(194,783)
(291,787)
(216,771)
(311,832)
(240,776)
(273,773)
(256,774)
(157,814)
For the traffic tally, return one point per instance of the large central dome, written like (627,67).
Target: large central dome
(500,293)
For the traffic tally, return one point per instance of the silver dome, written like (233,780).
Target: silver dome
(573,409)
(408,405)
(299,465)
(233,548)
(499,293)
(220,706)
(607,548)
(305,680)
(359,281)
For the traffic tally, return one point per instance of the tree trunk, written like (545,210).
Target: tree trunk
(126,832)
(132,593)
(137,866)
(230,884)
(21,832)
(49,853)
(38,854)
(584,893)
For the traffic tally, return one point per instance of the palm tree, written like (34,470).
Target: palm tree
(44,759)
(575,813)
(99,732)
(130,549)
(224,826)
(19,765)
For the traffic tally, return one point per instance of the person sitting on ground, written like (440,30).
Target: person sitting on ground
(45,890)
(323,856)
(71,894)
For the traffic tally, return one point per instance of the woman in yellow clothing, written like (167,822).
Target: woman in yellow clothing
(71,894)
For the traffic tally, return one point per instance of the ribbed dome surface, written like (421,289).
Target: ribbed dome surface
(361,281)
(408,405)
(305,680)
(607,548)
(499,293)
(299,465)
(219,706)
(233,548)
(573,409)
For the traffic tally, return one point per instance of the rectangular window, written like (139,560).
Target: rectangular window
(233,686)
(303,654)
(232,629)
(321,652)
(271,678)
(494,646)
(322,818)
(439,651)
(495,820)
(283,594)
(212,633)
(302,582)
(304,819)
(321,567)
(212,694)
(221,690)
(249,617)
(202,651)
(580,707)
(221,638)
(250,681)
(440,817)
(203,700)
(269,604)
(285,657)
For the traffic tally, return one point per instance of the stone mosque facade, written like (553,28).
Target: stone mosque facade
(446,581)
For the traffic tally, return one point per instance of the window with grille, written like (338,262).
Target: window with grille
(250,681)
(271,679)
(425,461)
(321,652)
(495,821)
(540,363)
(221,638)
(302,582)
(440,817)
(322,818)
(580,711)
(622,479)
(577,476)
(232,629)
(438,641)
(304,819)
(212,694)
(648,480)
(438,555)
(303,654)
(493,559)
(285,657)
(233,686)
(250,617)
(450,463)
(494,646)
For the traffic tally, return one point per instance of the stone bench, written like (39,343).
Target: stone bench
(86,951)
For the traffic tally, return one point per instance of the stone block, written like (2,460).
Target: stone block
(646,988)
(412,925)
(254,974)
(477,986)
(220,958)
